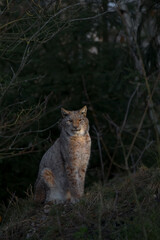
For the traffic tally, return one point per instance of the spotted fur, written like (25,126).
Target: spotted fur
(63,167)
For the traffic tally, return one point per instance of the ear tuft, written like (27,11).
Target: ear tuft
(64,112)
(83,111)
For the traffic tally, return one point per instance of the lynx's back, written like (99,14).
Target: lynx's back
(63,167)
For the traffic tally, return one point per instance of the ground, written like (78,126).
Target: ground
(127,207)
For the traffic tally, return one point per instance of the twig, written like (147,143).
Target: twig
(95,118)
(119,131)
(128,107)
(90,18)
(59,225)
(10,202)
(100,152)
(100,215)
(142,152)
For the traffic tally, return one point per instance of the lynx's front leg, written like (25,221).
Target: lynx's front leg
(76,177)
(82,174)
(73,182)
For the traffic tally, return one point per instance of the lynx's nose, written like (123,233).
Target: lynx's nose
(76,126)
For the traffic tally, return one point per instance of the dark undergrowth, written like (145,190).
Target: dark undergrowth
(125,208)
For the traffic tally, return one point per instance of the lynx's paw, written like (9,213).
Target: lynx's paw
(54,202)
(74,200)
(39,195)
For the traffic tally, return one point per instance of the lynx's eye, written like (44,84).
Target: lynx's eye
(69,121)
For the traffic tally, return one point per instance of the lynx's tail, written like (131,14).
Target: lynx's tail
(40,194)
(46,178)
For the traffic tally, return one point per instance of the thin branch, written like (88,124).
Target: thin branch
(100,152)
(128,107)
(89,18)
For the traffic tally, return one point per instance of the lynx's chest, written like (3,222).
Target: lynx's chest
(77,148)
(79,143)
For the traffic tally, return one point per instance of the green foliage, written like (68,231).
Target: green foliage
(81,233)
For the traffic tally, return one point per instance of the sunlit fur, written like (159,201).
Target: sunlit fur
(63,167)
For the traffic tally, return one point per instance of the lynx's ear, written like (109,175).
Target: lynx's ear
(83,111)
(64,112)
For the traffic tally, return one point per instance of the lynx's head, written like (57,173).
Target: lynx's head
(75,123)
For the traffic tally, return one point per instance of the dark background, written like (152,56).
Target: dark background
(95,53)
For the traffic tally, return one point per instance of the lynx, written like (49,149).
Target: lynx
(63,167)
